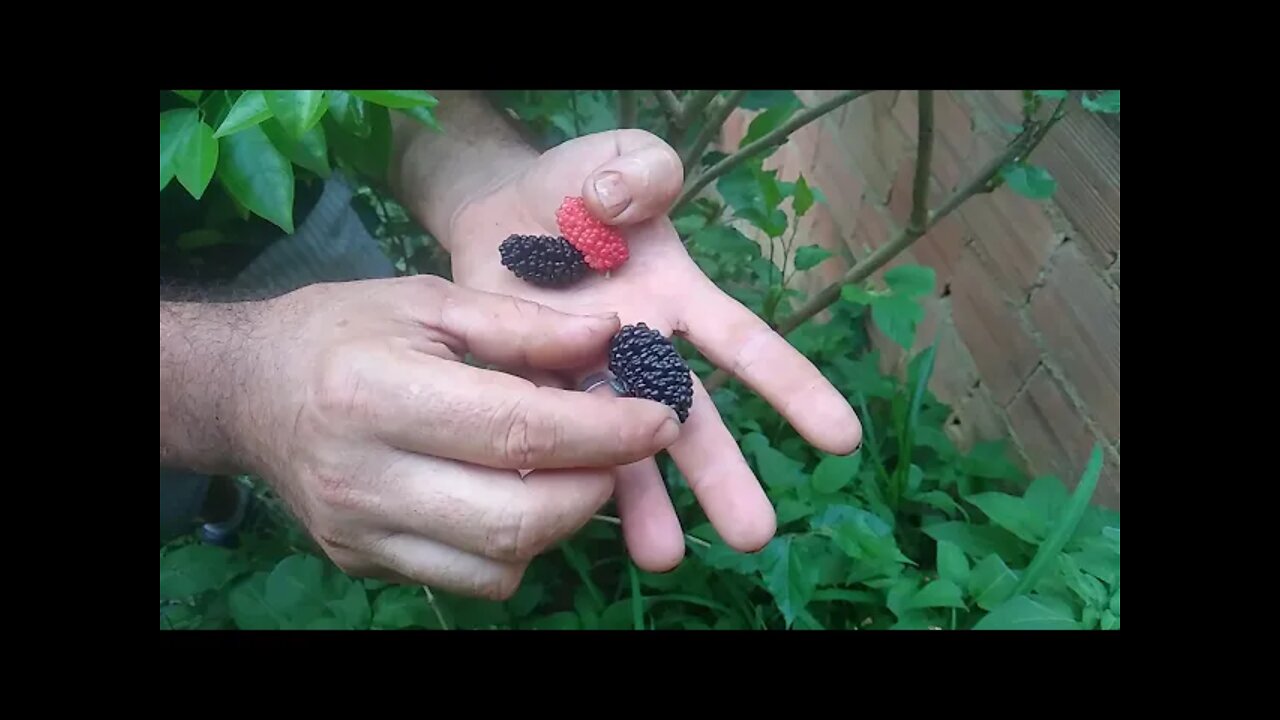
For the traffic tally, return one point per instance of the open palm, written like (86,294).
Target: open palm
(661,286)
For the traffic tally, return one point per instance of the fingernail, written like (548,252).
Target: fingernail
(668,431)
(606,316)
(613,193)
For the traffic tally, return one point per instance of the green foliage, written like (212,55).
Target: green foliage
(262,136)
(909,532)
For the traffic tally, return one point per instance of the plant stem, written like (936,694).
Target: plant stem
(431,600)
(670,105)
(1020,146)
(615,521)
(924,159)
(628,108)
(719,113)
(778,136)
(694,105)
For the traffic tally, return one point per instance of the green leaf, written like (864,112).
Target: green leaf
(1110,621)
(939,593)
(297,110)
(725,240)
(897,317)
(991,582)
(786,577)
(397,99)
(911,280)
(194,569)
(1065,526)
(174,127)
(526,599)
(1052,94)
(250,609)
(248,110)
(1087,587)
(368,156)
(1010,513)
(777,470)
(352,610)
(258,176)
(295,583)
(190,95)
(196,158)
(722,557)
(768,121)
(856,597)
(857,294)
(835,471)
(402,606)
(311,151)
(977,540)
(952,563)
(791,509)
(803,198)
(1025,613)
(349,113)
(938,499)
(1030,181)
(1114,606)
(424,116)
(988,459)
(1044,499)
(557,621)
(1107,102)
(810,256)
(860,534)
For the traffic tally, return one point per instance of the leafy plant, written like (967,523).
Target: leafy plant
(910,532)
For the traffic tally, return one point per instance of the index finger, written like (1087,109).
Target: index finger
(742,344)
(447,409)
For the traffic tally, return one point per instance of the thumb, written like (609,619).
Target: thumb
(511,332)
(640,183)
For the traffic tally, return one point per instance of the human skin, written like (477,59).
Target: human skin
(400,460)
(478,182)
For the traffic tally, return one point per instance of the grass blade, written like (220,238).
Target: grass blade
(1065,526)
(637,602)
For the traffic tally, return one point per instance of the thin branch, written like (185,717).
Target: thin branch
(778,136)
(924,160)
(628,108)
(719,113)
(431,599)
(1020,147)
(694,105)
(615,521)
(670,105)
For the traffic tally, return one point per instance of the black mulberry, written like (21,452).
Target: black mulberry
(543,260)
(649,367)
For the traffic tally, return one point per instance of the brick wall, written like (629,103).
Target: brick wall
(1027,308)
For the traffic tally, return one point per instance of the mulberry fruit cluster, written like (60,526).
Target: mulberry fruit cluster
(543,260)
(649,367)
(585,243)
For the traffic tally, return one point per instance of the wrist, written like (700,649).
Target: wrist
(208,352)
(436,174)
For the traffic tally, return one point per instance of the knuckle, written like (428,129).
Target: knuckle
(526,439)
(339,389)
(336,491)
(505,539)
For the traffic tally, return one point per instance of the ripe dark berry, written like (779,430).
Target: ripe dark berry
(543,260)
(649,367)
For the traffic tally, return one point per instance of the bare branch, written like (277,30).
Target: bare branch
(720,112)
(776,137)
(924,159)
(1019,147)
(670,105)
(628,108)
(694,105)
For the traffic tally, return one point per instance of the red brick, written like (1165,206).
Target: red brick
(836,176)
(1083,155)
(1079,318)
(871,230)
(952,136)
(874,141)
(1003,351)
(954,123)
(1015,242)
(1057,441)
(977,419)
(941,249)
(1115,272)
(954,373)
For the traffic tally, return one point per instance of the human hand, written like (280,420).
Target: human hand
(629,178)
(402,461)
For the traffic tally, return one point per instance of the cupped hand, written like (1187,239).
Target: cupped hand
(402,461)
(630,178)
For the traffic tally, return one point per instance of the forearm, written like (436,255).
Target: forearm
(206,353)
(434,174)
